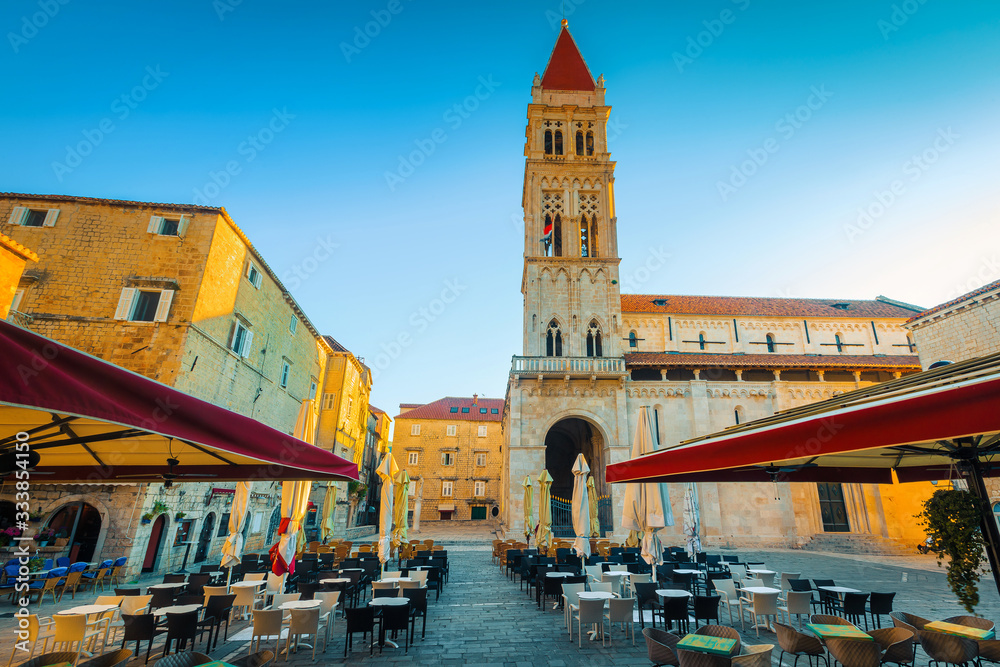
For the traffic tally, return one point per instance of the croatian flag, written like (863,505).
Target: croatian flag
(548,233)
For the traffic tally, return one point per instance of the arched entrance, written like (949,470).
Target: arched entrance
(565,440)
(80,524)
(155,542)
(205,540)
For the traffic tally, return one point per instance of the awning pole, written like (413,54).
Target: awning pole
(991,534)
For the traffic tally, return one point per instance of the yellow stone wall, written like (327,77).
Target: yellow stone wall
(13,257)
(429,445)
(343,417)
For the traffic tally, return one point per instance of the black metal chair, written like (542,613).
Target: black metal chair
(174,578)
(394,619)
(434,581)
(139,628)
(181,628)
(190,599)
(217,611)
(879,605)
(706,607)
(128,591)
(162,597)
(418,607)
(854,606)
(308,589)
(675,609)
(197,583)
(359,619)
(646,598)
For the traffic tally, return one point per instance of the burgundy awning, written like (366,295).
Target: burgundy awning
(90,421)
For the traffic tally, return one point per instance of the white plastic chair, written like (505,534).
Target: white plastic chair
(622,610)
(726,588)
(590,612)
(267,623)
(766,605)
(798,603)
(303,622)
(571,600)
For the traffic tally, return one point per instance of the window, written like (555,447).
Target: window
(548,142)
(18,298)
(553,340)
(413,459)
(415,429)
(312,387)
(481,459)
(286,370)
(480,489)
(594,339)
(590,143)
(293,324)
(738,415)
(452,429)
(224,526)
(465,411)
(579,142)
(633,341)
(447,459)
(140,305)
(494,411)
(253,275)
(482,431)
(162,226)
(584,237)
(350,406)
(241,340)
(454,409)
(183,533)
(328,400)
(31,217)
(770,345)
(482,411)
(559,142)
(411,491)
(446,489)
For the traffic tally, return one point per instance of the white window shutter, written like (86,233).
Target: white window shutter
(125,303)
(247,344)
(163,307)
(50,218)
(249,268)
(154,224)
(182,225)
(17,215)
(256,283)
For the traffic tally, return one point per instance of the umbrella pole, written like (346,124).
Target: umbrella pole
(991,534)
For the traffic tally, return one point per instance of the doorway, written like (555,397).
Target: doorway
(564,441)
(80,524)
(155,542)
(205,540)
(832,509)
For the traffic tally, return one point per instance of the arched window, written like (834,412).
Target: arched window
(590,143)
(738,414)
(593,237)
(548,142)
(701,341)
(996,512)
(633,340)
(557,236)
(770,345)
(839,343)
(547,235)
(559,142)
(584,237)
(579,142)
(594,340)
(553,340)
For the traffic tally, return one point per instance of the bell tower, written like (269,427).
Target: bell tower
(572,304)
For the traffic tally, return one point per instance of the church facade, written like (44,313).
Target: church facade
(592,357)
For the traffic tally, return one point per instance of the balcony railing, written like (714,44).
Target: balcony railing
(22,320)
(580,366)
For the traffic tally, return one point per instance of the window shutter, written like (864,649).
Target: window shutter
(125,303)
(249,268)
(17,215)
(256,283)
(247,344)
(50,218)
(163,307)
(182,225)
(154,224)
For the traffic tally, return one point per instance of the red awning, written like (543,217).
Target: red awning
(89,421)
(916,426)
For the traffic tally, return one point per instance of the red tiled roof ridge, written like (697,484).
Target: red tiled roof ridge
(762,306)
(441,409)
(566,68)
(948,304)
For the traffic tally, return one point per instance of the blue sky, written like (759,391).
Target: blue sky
(840,150)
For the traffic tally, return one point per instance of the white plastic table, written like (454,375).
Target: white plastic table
(672,593)
(335,580)
(87,609)
(177,609)
(300,604)
(180,584)
(253,583)
(395,580)
(762,590)
(839,590)
(762,572)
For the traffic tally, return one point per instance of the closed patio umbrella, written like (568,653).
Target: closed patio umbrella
(232,549)
(387,470)
(595,521)
(294,502)
(634,538)
(401,504)
(329,503)
(691,522)
(543,532)
(581,507)
(647,506)
(529,498)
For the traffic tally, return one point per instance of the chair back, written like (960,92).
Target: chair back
(971,622)
(826,619)
(855,604)
(267,622)
(798,602)
(799,585)
(304,621)
(911,622)
(621,610)
(726,587)
(786,577)
(854,652)
(687,658)
(755,656)
(133,604)
(281,598)
(661,646)
(255,576)
(69,628)
(739,571)
(706,607)
(109,599)
(114,659)
(723,631)
(765,604)
(328,601)
(360,619)
(881,603)
(591,611)
(138,626)
(418,599)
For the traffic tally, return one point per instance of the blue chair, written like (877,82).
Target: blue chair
(48,564)
(63,561)
(120,561)
(11,580)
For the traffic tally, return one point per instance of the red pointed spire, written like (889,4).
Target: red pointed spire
(566,69)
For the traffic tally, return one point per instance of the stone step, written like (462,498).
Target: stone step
(854,543)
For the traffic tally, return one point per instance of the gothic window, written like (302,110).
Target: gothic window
(770,346)
(557,237)
(589,204)
(584,237)
(579,142)
(548,142)
(593,236)
(590,143)
(553,340)
(633,341)
(559,142)
(594,339)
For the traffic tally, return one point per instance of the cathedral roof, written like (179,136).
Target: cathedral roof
(954,302)
(456,408)
(566,69)
(702,360)
(764,306)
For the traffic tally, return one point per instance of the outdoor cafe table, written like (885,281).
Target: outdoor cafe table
(763,590)
(387,602)
(594,595)
(181,584)
(839,590)
(395,580)
(762,572)
(335,580)
(707,644)
(960,630)
(253,583)
(176,609)
(672,593)
(87,609)
(824,631)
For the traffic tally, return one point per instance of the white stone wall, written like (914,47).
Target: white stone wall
(968,330)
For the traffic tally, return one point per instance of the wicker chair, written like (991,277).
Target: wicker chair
(254,660)
(51,659)
(798,644)
(661,647)
(989,650)
(901,619)
(948,649)
(186,659)
(826,619)
(971,622)
(113,659)
(757,655)
(854,652)
(898,645)
(721,631)
(698,659)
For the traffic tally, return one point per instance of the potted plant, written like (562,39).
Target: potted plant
(180,515)
(44,536)
(7,535)
(147,517)
(35,517)
(158,508)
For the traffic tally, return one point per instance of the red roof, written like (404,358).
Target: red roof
(337,347)
(566,69)
(948,304)
(765,306)
(442,409)
(698,360)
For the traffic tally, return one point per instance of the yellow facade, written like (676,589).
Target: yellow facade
(343,416)
(13,257)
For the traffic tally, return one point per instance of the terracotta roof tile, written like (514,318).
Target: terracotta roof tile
(17,248)
(441,409)
(377,411)
(337,347)
(765,306)
(819,361)
(566,69)
(948,304)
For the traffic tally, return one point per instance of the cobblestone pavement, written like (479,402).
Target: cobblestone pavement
(482,618)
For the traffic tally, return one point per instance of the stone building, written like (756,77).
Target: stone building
(451,449)
(961,329)
(592,357)
(13,257)
(179,294)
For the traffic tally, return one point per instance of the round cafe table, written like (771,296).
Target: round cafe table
(388,602)
(300,604)
(335,580)
(672,593)
(559,574)
(180,584)
(87,609)
(176,609)
(395,580)
(253,583)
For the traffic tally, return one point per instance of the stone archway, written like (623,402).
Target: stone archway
(563,442)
